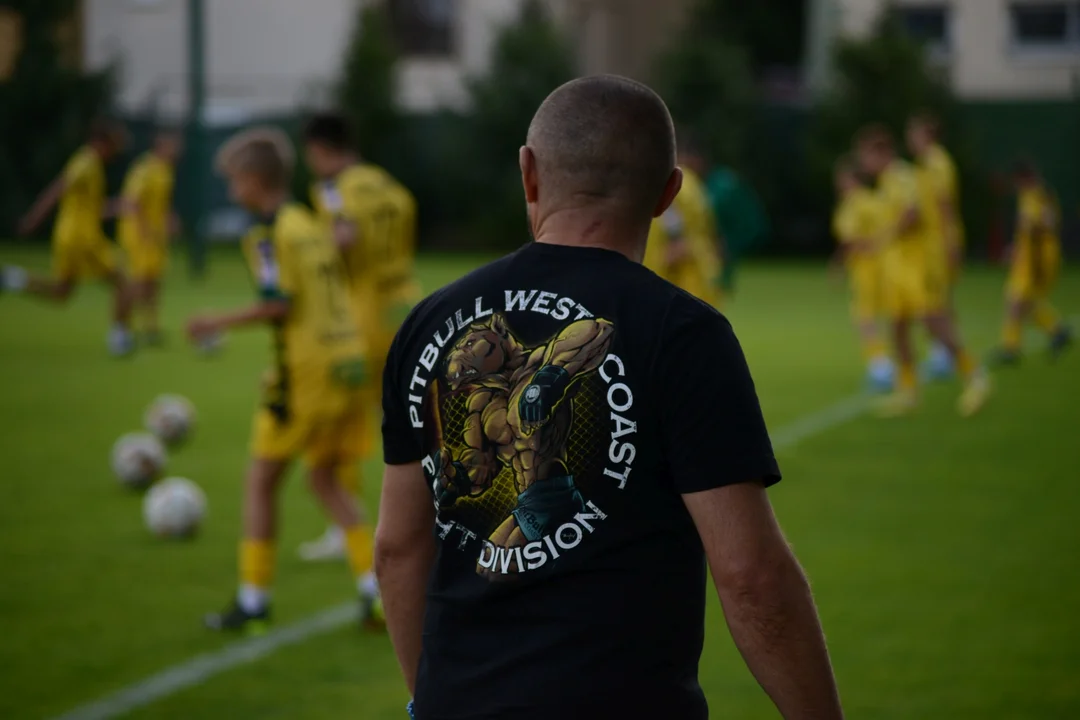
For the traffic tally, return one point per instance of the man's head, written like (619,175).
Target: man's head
(168,144)
(604,143)
(1024,173)
(480,353)
(874,149)
(258,164)
(922,133)
(846,176)
(327,144)
(108,137)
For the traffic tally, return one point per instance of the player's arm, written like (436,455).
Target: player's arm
(404,554)
(262,313)
(766,599)
(43,205)
(579,348)
(720,461)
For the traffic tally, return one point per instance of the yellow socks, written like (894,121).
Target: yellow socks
(1010,334)
(908,380)
(1046,317)
(256,573)
(360,549)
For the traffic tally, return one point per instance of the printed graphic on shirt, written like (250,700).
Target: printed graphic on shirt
(528,436)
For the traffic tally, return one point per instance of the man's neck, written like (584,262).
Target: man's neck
(588,227)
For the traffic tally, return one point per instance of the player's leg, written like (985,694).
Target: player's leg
(976,381)
(1018,295)
(121,339)
(149,296)
(57,289)
(866,311)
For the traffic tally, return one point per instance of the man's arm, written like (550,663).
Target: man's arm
(267,311)
(404,554)
(766,599)
(45,202)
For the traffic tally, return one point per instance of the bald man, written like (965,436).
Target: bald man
(568,439)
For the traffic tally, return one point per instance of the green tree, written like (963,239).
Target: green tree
(46,104)
(366,93)
(530,59)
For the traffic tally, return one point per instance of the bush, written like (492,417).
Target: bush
(366,94)
(886,79)
(530,59)
(45,107)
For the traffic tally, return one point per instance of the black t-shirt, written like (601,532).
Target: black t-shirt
(561,400)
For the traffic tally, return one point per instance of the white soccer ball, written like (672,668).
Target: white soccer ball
(171,418)
(174,508)
(138,459)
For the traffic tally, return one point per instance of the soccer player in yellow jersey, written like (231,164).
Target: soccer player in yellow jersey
(145,225)
(913,292)
(945,233)
(684,244)
(80,249)
(373,220)
(857,225)
(311,399)
(1035,261)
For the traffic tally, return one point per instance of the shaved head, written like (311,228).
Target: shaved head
(606,139)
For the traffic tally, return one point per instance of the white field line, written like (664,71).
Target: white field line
(201,668)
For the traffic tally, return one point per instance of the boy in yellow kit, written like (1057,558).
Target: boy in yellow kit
(684,244)
(938,182)
(860,234)
(80,249)
(311,400)
(145,225)
(1033,268)
(373,220)
(913,290)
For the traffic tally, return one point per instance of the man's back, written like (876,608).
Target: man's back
(543,395)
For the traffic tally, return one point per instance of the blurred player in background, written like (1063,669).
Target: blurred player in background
(939,186)
(740,217)
(373,221)
(1035,260)
(684,243)
(914,291)
(857,224)
(80,249)
(311,405)
(145,226)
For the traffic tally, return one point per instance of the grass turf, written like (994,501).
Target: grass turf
(941,550)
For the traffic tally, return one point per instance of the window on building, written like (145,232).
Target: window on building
(423,27)
(928,24)
(1045,25)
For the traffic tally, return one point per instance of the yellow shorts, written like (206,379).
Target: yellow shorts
(339,439)
(145,263)
(910,293)
(83,259)
(866,292)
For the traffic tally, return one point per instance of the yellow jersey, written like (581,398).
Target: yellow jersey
(318,353)
(936,173)
(1038,227)
(149,185)
(858,219)
(83,201)
(690,217)
(384,213)
(898,192)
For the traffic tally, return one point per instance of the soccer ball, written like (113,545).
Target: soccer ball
(171,418)
(138,459)
(174,508)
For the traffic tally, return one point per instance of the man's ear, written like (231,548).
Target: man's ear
(671,190)
(529,179)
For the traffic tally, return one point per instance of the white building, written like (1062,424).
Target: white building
(270,56)
(991,49)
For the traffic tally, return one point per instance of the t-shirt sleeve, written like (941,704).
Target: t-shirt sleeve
(713,431)
(401,444)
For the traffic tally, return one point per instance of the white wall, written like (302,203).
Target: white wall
(982,64)
(271,55)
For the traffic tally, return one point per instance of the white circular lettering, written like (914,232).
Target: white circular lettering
(611,397)
(565,544)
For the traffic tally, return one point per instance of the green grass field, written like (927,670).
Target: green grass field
(942,551)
